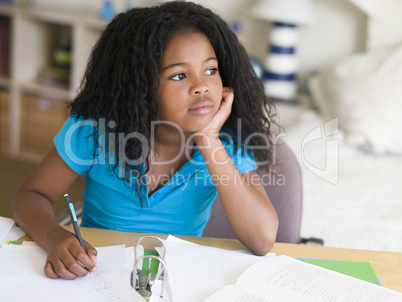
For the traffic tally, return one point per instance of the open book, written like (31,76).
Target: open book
(286,279)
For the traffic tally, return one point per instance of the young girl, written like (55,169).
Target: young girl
(167,116)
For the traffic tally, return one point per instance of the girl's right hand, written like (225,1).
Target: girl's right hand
(66,258)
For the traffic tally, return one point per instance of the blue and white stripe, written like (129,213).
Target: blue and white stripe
(282,64)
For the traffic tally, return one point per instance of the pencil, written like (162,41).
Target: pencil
(73,217)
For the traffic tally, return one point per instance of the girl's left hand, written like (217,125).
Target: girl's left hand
(220,117)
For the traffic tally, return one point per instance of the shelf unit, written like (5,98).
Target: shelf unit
(33,104)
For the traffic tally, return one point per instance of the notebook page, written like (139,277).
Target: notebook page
(199,271)
(22,268)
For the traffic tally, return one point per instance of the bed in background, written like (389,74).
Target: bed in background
(361,209)
(350,147)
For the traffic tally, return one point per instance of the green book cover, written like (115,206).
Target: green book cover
(359,269)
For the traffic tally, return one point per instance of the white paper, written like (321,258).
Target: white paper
(15,233)
(198,271)
(22,268)
(286,279)
(172,238)
(233,293)
(6,224)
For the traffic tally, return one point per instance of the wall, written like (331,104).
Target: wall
(339,31)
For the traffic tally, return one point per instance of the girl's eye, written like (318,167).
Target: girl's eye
(178,77)
(212,71)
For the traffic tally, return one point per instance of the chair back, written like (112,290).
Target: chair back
(283,184)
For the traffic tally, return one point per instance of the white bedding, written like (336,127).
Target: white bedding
(364,209)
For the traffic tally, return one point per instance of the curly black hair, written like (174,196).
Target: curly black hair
(122,77)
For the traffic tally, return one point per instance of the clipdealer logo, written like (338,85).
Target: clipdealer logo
(330,173)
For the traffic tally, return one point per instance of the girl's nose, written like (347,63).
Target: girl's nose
(199,87)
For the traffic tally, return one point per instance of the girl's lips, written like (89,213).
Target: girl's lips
(202,108)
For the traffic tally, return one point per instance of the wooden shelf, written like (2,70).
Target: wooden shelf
(46,90)
(33,35)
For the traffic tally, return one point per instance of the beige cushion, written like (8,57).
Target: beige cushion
(365,92)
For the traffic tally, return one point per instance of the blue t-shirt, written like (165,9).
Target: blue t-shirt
(182,206)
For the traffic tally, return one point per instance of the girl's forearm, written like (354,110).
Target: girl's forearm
(33,212)
(250,213)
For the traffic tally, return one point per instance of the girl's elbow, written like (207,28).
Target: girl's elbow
(266,239)
(264,246)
